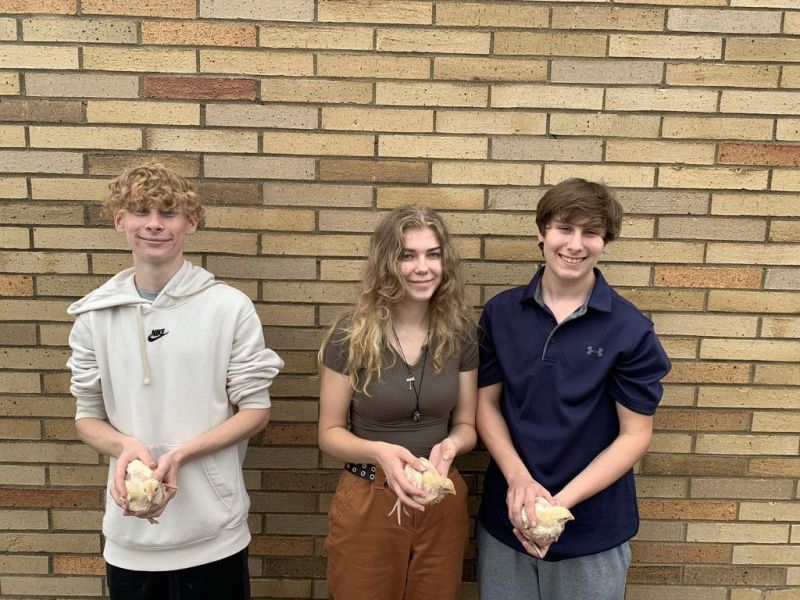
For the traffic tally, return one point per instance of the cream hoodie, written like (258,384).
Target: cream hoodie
(165,373)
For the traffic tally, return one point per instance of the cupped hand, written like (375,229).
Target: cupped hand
(132,450)
(523,491)
(533,546)
(442,455)
(392,458)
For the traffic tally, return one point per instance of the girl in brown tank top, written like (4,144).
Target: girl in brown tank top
(398,381)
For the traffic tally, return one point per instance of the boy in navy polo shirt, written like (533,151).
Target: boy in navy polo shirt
(569,380)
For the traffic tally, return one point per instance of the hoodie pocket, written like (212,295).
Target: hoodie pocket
(198,511)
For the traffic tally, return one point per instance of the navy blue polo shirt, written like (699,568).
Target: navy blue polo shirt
(561,383)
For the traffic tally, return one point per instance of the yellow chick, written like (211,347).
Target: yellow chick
(433,486)
(550,521)
(144,492)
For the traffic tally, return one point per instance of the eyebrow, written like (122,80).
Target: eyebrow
(406,249)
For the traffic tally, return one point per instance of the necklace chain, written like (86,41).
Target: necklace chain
(416,415)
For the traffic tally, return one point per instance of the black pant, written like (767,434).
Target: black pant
(228,578)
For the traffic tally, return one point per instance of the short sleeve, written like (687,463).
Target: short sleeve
(469,351)
(636,380)
(334,356)
(489,371)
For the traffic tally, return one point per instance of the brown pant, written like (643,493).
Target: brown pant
(371,557)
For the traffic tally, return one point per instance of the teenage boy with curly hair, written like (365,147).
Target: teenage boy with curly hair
(169,367)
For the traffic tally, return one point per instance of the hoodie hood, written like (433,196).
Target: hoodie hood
(120,290)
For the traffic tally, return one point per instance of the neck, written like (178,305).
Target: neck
(580,289)
(411,315)
(153,278)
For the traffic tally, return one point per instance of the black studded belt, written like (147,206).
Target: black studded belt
(363,470)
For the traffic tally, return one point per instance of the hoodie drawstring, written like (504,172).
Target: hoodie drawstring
(142,348)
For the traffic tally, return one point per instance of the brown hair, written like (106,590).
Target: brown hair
(153,184)
(370,319)
(580,201)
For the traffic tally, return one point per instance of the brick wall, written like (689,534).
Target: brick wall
(302,120)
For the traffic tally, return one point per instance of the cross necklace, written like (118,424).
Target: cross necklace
(417,414)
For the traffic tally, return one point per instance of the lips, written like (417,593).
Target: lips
(572,260)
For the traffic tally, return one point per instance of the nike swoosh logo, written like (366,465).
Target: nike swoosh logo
(156,335)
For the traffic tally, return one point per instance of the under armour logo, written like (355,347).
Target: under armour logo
(590,350)
(156,333)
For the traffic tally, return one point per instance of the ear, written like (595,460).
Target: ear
(118,224)
(539,235)
(191,224)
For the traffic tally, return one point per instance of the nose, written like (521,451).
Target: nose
(575,241)
(154,222)
(421,265)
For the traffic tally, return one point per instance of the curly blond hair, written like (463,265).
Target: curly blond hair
(368,325)
(153,184)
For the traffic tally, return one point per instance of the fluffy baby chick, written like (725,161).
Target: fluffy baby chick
(550,521)
(434,487)
(144,492)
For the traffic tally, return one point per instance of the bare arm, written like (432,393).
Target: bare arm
(522,487)
(462,436)
(335,438)
(635,432)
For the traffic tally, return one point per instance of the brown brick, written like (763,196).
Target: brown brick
(717,128)
(654,575)
(773,467)
(780,49)
(785,231)
(84,31)
(601,17)
(747,301)
(17,334)
(740,488)
(372,66)
(62,7)
(78,565)
(262,62)
(485,173)
(325,37)
(650,151)
(723,75)
(316,245)
(471,68)
(431,94)
(671,419)
(258,167)
(760,154)
(707,277)
(606,71)
(771,205)
(375,11)
(16,285)
(313,90)
(708,372)
(179,9)
(200,88)
(432,146)
(373,170)
(259,10)
(780,327)
(546,96)
(436,197)
(42,262)
(490,121)
(782,279)
(198,34)
(319,144)
(663,553)
(438,40)
(46,111)
(546,149)
(49,498)
(270,115)
(665,46)
(261,267)
(281,546)
(607,125)
(19,56)
(201,140)
(549,43)
(693,465)
(687,510)
(187,165)
(738,575)
(758,102)
(316,194)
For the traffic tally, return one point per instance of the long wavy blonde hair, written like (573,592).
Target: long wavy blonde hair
(368,325)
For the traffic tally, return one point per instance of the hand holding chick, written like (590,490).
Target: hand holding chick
(433,486)
(144,493)
(550,521)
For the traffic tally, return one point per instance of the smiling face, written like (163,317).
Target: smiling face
(156,236)
(571,251)
(421,264)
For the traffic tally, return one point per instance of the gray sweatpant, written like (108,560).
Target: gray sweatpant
(505,574)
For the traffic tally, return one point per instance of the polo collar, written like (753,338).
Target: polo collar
(599,299)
